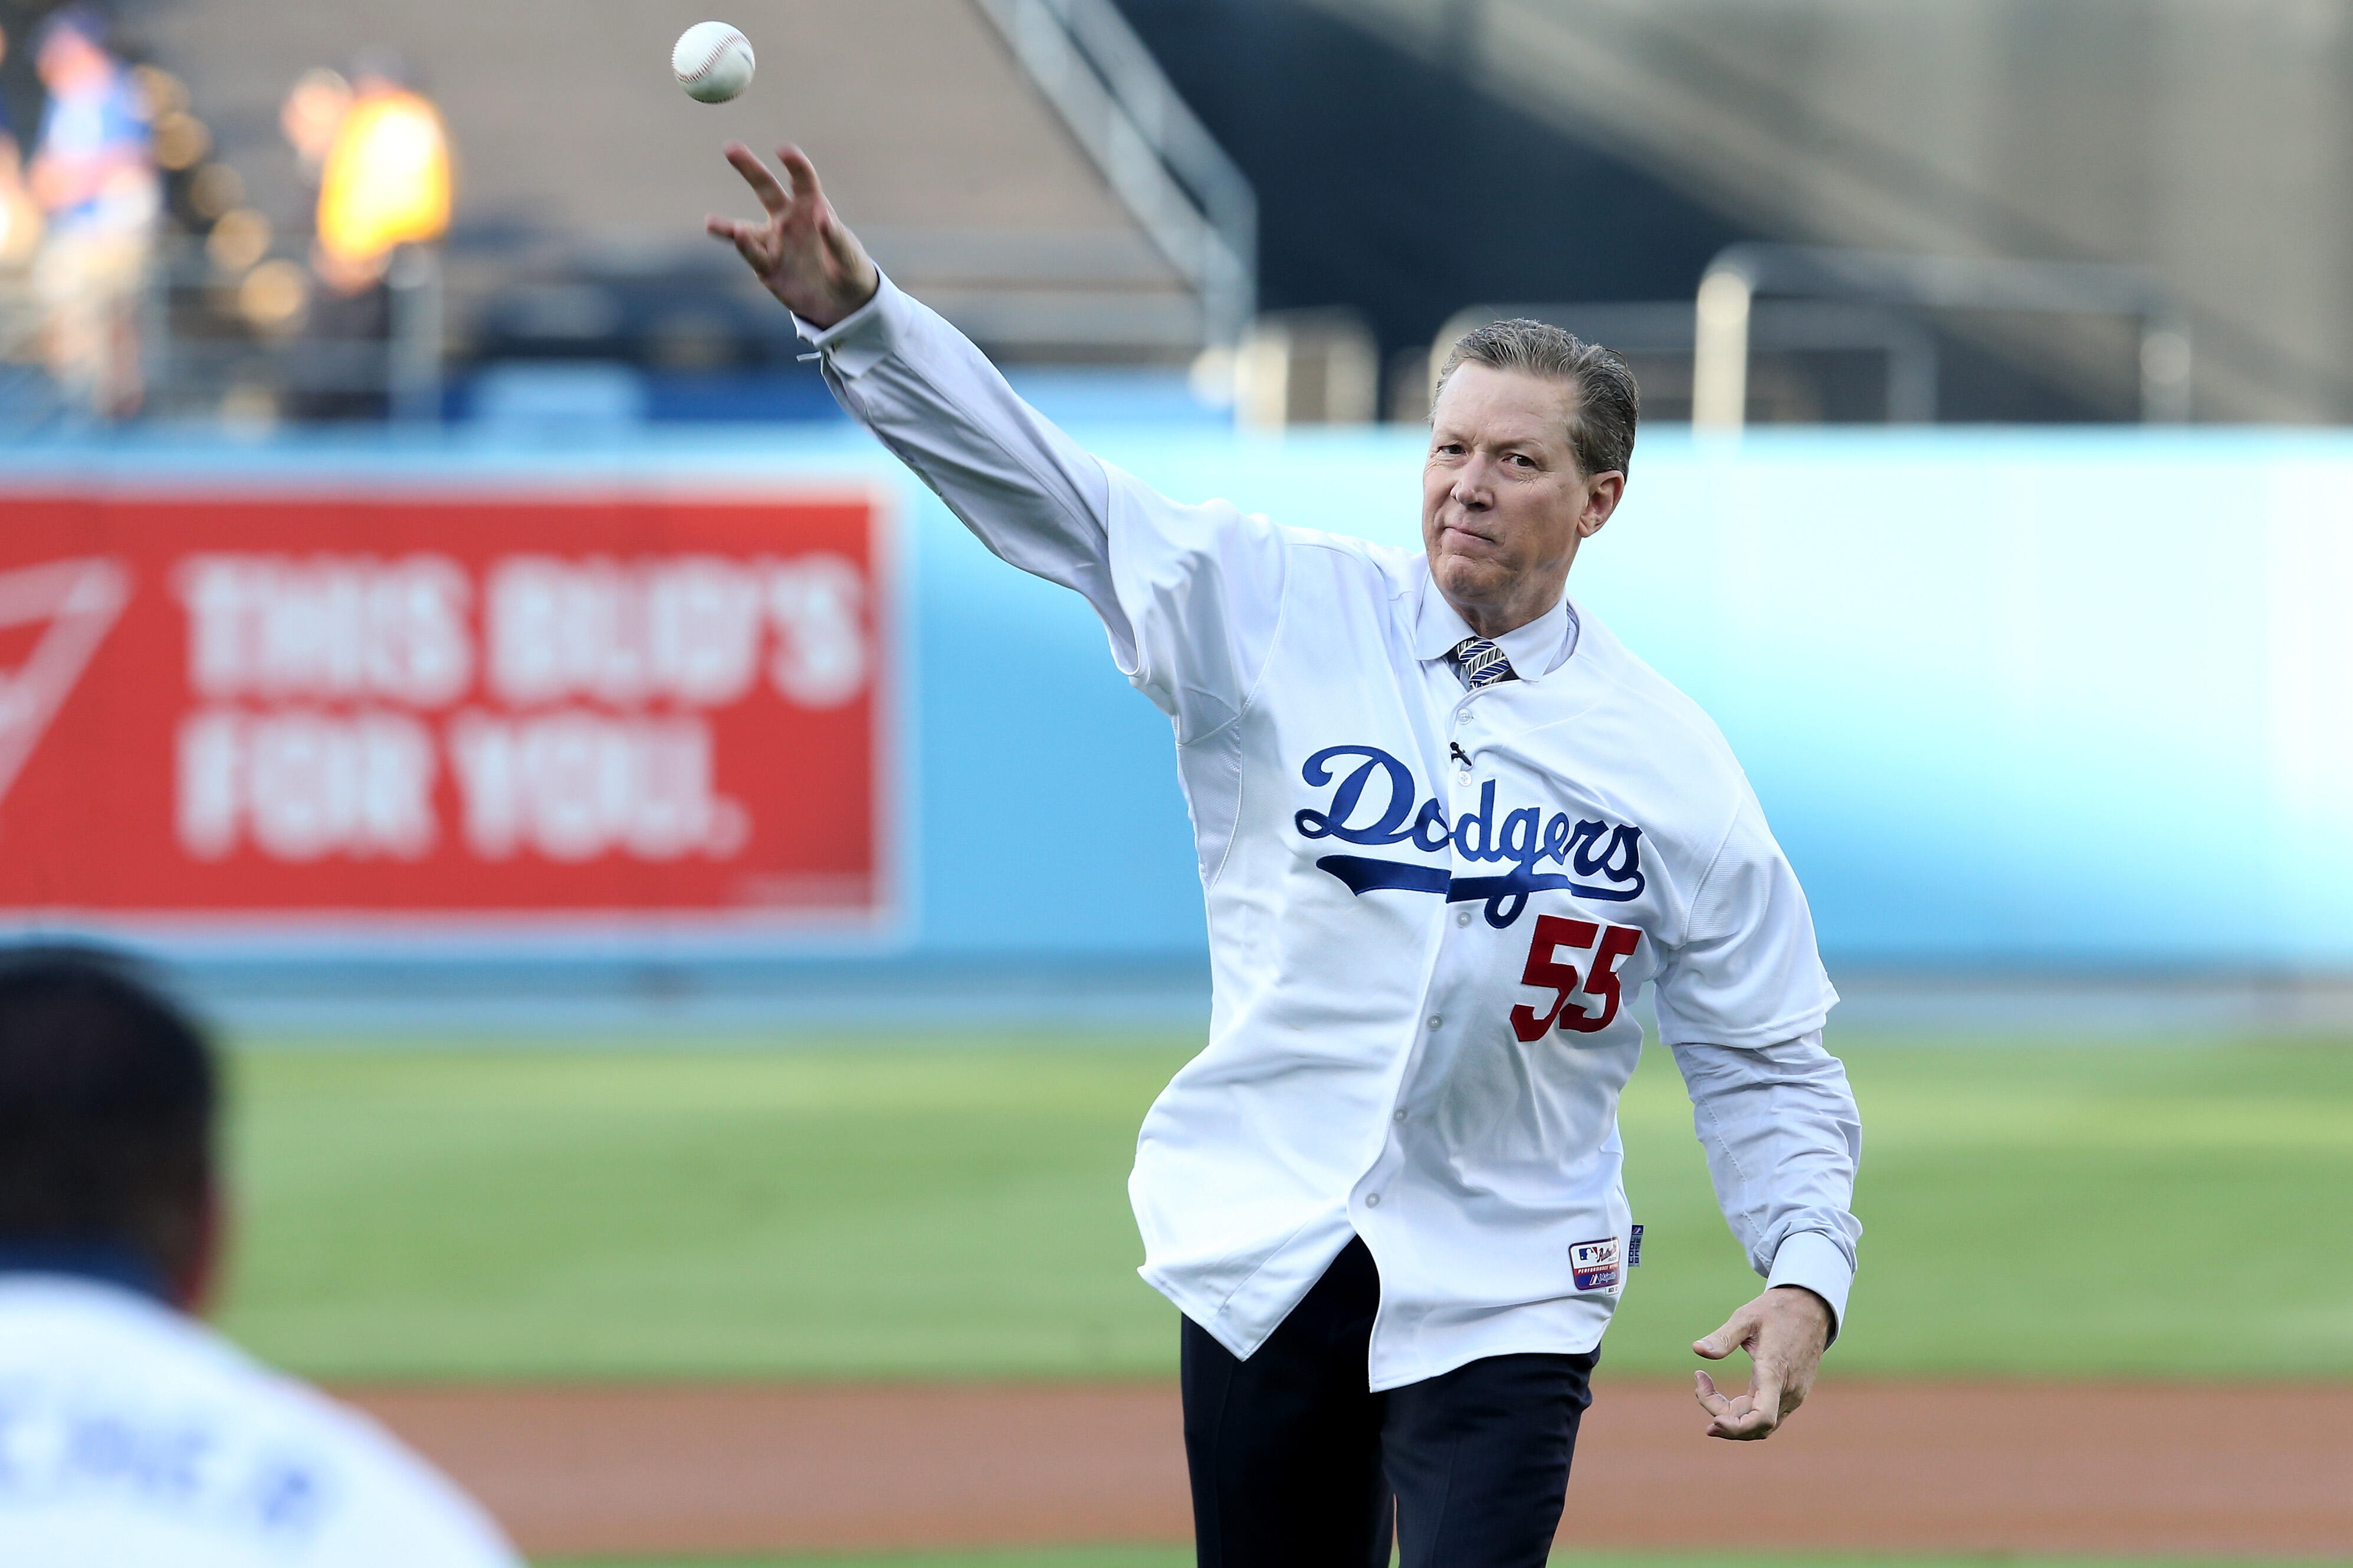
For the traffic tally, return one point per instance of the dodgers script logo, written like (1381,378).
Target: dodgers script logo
(1598,860)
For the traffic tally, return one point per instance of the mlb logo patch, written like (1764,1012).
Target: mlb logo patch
(1595,1263)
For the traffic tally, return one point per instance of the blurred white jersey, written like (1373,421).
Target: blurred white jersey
(132,1434)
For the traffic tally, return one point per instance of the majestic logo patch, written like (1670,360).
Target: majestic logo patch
(1375,803)
(75,604)
(1595,1264)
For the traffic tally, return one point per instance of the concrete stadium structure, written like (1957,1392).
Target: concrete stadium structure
(2205,139)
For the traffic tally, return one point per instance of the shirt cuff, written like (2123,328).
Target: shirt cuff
(1813,1260)
(864,338)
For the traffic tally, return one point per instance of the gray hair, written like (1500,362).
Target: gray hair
(1609,404)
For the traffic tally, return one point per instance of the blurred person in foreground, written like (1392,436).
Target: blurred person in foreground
(1449,827)
(93,175)
(129,1433)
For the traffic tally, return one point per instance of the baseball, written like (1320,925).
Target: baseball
(712,61)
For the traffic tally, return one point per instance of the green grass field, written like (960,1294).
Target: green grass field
(868,1207)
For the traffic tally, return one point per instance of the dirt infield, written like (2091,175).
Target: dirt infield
(1899,1467)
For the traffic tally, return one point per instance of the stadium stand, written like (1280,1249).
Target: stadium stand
(2195,134)
(585,174)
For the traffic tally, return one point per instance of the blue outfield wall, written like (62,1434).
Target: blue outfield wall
(2011,698)
(2045,700)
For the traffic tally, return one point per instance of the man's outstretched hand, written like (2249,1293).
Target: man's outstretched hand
(1784,1331)
(802,253)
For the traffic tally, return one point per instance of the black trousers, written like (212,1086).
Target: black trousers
(1295,1465)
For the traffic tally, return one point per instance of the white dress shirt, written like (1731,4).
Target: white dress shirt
(1534,650)
(1429,908)
(131,1435)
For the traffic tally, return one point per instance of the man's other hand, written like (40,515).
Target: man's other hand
(1784,1331)
(803,253)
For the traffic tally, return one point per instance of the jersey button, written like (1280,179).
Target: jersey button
(1462,715)
(1399,1116)
(1462,917)
(1372,1200)
(1435,1020)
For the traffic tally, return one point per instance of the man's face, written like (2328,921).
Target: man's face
(1504,507)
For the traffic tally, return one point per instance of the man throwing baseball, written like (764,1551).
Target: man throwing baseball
(1448,827)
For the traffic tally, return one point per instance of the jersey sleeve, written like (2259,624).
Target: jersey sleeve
(1741,1001)
(1782,1137)
(1188,594)
(1746,972)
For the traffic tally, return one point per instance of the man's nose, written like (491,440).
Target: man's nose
(1474,487)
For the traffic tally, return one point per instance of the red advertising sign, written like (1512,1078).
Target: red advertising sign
(510,710)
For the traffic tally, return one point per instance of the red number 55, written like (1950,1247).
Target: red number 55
(1553,933)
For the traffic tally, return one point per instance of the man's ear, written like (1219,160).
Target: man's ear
(1601,498)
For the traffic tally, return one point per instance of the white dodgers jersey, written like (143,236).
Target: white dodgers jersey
(132,1436)
(1429,908)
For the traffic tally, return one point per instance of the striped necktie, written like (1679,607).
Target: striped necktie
(1481,662)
